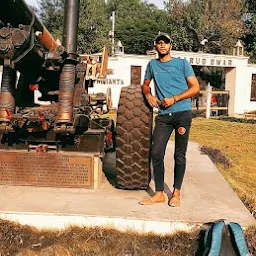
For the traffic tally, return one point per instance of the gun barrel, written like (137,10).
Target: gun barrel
(47,39)
(17,12)
(70,29)
(68,74)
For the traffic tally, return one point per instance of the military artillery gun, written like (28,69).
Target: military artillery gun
(61,144)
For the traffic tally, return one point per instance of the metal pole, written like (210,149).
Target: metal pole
(113,32)
(70,30)
(68,73)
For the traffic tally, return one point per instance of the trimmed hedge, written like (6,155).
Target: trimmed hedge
(238,120)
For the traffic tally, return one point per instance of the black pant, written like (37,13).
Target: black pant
(164,125)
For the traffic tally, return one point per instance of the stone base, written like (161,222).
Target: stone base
(53,169)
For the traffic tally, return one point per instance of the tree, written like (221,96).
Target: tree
(220,24)
(52,14)
(137,38)
(137,23)
(249,38)
(176,25)
(250,5)
(93,22)
(211,25)
(94,25)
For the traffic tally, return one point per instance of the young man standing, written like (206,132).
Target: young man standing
(175,83)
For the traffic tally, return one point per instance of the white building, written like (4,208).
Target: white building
(238,79)
(125,69)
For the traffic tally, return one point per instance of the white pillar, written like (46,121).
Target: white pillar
(208,101)
(230,85)
(113,32)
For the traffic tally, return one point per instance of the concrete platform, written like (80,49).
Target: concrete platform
(206,197)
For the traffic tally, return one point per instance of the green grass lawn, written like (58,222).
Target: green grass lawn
(237,142)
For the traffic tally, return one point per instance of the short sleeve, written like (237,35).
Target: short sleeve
(188,69)
(148,73)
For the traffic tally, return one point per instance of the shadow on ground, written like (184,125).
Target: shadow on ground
(109,167)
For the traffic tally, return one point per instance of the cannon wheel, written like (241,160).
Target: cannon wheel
(133,139)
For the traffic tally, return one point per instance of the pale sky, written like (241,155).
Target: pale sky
(158,3)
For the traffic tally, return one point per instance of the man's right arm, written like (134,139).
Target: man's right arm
(152,100)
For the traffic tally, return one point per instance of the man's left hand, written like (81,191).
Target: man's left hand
(167,102)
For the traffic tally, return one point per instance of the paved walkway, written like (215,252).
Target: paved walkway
(206,197)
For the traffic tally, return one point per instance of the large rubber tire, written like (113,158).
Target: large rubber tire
(133,139)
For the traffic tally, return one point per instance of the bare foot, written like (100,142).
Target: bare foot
(175,200)
(158,197)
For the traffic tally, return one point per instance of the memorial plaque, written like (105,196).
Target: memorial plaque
(56,169)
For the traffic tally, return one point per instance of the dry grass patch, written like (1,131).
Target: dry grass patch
(250,236)
(21,240)
(236,141)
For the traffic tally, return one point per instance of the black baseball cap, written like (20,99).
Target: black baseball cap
(162,36)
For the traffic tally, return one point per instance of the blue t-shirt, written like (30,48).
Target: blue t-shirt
(170,79)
